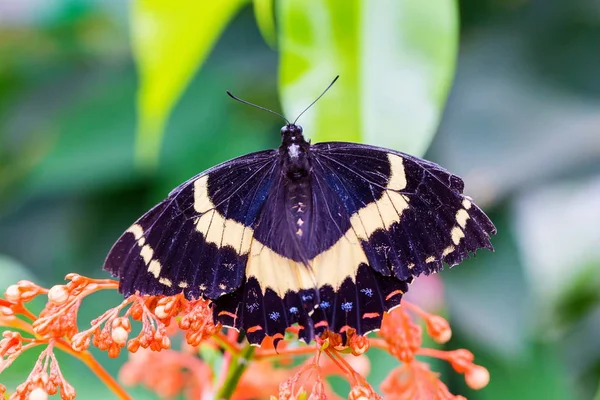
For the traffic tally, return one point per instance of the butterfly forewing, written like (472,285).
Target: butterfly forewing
(414,216)
(197,240)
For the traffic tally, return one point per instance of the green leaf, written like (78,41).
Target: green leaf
(169,44)
(265,19)
(395,59)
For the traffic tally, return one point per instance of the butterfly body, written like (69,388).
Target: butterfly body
(326,236)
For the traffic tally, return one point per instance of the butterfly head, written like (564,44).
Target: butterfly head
(291,136)
(291,132)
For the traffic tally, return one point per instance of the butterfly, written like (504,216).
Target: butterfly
(327,236)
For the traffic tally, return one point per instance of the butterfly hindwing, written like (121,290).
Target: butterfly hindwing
(197,240)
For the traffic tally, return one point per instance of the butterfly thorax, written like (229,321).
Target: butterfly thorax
(294,153)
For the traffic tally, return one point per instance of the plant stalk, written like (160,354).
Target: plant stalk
(238,365)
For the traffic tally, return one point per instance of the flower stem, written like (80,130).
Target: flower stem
(238,366)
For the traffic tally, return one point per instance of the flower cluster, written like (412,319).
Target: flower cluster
(284,370)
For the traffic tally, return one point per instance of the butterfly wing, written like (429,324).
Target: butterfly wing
(410,214)
(197,239)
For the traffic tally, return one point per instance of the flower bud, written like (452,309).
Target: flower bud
(119,335)
(80,342)
(359,344)
(67,391)
(359,393)
(38,394)
(160,312)
(477,377)
(438,328)
(6,312)
(114,350)
(121,322)
(58,294)
(461,360)
(13,293)
(133,345)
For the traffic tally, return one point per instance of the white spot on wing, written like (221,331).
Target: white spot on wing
(147,253)
(447,250)
(136,230)
(466,203)
(183,284)
(461,217)
(166,282)
(154,268)
(456,235)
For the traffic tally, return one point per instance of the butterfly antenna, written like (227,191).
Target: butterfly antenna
(259,107)
(321,95)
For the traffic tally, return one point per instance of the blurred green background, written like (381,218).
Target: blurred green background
(86,88)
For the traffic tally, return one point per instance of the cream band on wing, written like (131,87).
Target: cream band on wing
(224,232)
(282,274)
(214,227)
(147,254)
(397,179)
(202,202)
(380,214)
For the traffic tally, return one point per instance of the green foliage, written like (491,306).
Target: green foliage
(169,44)
(265,19)
(395,60)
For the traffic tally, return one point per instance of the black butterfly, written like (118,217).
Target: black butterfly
(325,235)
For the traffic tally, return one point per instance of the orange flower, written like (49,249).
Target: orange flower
(168,373)
(45,379)
(414,381)
(245,372)
(401,333)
